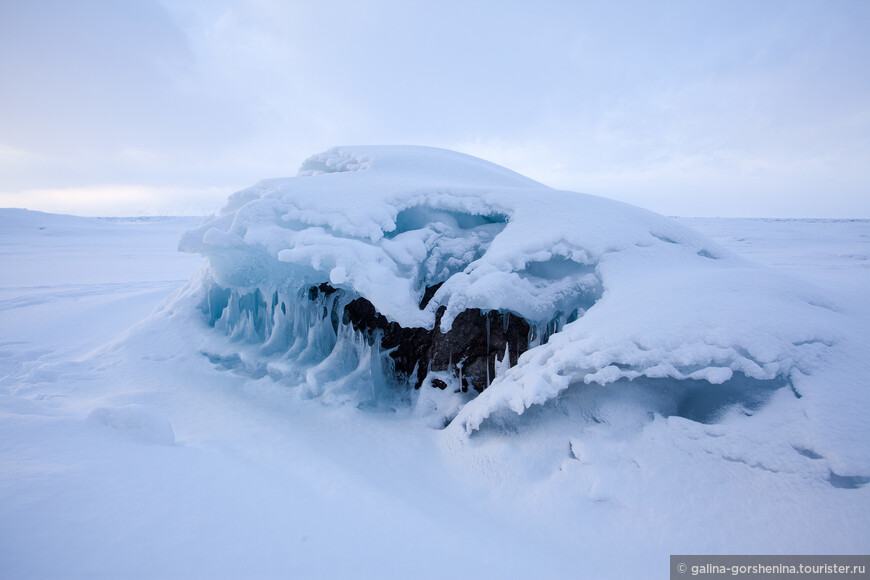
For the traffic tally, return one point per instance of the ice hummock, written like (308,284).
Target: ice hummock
(611,292)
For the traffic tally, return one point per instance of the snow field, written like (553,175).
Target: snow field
(137,441)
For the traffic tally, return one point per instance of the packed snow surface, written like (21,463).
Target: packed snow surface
(708,397)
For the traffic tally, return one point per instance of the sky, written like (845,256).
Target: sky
(699,108)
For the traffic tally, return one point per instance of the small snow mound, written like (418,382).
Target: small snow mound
(135,422)
(336,160)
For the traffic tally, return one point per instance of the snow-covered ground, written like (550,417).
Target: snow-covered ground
(127,453)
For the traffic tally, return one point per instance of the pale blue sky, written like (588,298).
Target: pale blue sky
(687,108)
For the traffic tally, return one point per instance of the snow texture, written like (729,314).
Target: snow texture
(138,441)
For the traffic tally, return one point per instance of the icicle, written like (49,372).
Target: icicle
(534,336)
(502,366)
(487,333)
(506,320)
(348,357)
(459,366)
(378,382)
(259,318)
(412,378)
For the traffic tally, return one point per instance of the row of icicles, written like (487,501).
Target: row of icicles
(305,339)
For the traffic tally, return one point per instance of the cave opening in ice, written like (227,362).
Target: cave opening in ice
(629,404)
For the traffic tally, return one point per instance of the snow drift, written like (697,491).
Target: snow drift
(363,277)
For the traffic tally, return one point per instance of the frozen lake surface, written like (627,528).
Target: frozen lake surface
(126,453)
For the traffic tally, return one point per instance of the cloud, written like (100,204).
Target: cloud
(682,101)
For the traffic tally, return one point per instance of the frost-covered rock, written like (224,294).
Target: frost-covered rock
(377,264)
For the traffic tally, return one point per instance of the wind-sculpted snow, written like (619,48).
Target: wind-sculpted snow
(609,292)
(663,318)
